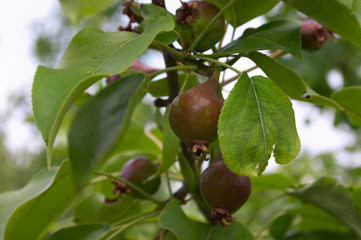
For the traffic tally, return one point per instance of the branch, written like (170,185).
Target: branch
(161,46)
(172,77)
(217,62)
(181,193)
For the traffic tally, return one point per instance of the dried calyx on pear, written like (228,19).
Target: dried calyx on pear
(193,17)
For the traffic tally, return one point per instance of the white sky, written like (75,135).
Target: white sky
(17,68)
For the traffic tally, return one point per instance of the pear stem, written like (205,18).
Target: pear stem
(197,195)
(131,185)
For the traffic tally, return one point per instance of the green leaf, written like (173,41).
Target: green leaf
(350,99)
(94,209)
(170,146)
(313,97)
(101,123)
(150,11)
(90,56)
(312,218)
(281,225)
(278,34)
(82,232)
(289,81)
(356,5)
(75,10)
(188,173)
(159,88)
(328,194)
(336,15)
(173,218)
(169,236)
(168,38)
(234,230)
(9,201)
(256,119)
(137,138)
(275,181)
(244,10)
(319,235)
(31,219)
(144,113)
(356,194)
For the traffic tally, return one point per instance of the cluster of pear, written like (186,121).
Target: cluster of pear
(194,115)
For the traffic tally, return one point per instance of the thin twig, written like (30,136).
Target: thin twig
(216,62)
(182,192)
(176,68)
(131,185)
(119,229)
(202,205)
(132,218)
(278,53)
(168,184)
(159,45)
(222,39)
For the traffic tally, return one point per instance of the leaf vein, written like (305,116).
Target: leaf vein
(111,55)
(260,116)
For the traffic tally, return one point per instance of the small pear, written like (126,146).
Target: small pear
(137,171)
(223,190)
(314,35)
(194,113)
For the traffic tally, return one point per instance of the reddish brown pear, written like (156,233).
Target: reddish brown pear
(194,113)
(223,190)
(137,171)
(313,35)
